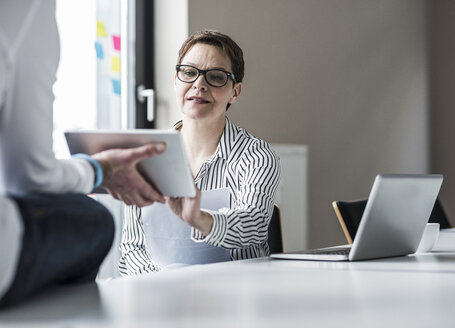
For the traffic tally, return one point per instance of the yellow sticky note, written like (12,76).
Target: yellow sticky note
(115,64)
(100,30)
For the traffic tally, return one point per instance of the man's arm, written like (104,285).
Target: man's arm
(27,162)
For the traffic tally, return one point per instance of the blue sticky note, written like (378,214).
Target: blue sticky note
(116,86)
(99,50)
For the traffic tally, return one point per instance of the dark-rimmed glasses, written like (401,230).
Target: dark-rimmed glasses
(214,77)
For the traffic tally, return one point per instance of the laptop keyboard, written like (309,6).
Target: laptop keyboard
(342,251)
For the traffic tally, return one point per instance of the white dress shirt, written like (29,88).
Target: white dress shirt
(29,55)
(249,168)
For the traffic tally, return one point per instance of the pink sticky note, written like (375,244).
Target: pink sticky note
(116,40)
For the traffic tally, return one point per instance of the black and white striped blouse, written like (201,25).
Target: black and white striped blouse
(251,170)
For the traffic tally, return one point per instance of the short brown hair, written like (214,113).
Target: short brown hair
(220,40)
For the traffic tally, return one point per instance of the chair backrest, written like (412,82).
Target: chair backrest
(349,214)
(438,215)
(275,236)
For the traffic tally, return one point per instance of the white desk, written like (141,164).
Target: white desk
(413,291)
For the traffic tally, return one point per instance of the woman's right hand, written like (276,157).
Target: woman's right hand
(189,210)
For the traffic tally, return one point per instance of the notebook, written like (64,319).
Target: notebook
(392,224)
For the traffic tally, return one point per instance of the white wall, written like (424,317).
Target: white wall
(292,195)
(441,50)
(171,29)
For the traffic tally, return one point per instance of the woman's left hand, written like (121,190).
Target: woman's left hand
(189,210)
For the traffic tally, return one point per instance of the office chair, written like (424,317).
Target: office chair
(349,214)
(275,236)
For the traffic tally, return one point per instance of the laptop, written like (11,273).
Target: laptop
(392,224)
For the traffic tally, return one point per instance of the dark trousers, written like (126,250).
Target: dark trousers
(65,239)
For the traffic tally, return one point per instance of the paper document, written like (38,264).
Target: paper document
(168,237)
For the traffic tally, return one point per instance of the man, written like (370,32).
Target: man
(50,231)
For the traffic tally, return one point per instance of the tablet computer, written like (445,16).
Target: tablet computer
(168,172)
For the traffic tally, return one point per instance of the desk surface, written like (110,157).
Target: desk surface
(411,291)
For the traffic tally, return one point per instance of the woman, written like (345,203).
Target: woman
(207,82)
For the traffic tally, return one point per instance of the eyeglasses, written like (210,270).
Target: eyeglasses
(215,77)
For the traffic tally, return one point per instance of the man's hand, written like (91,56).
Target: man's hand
(121,177)
(189,210)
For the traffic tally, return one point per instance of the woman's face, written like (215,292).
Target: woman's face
(199,100)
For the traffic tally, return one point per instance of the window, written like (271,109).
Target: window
(75,89)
